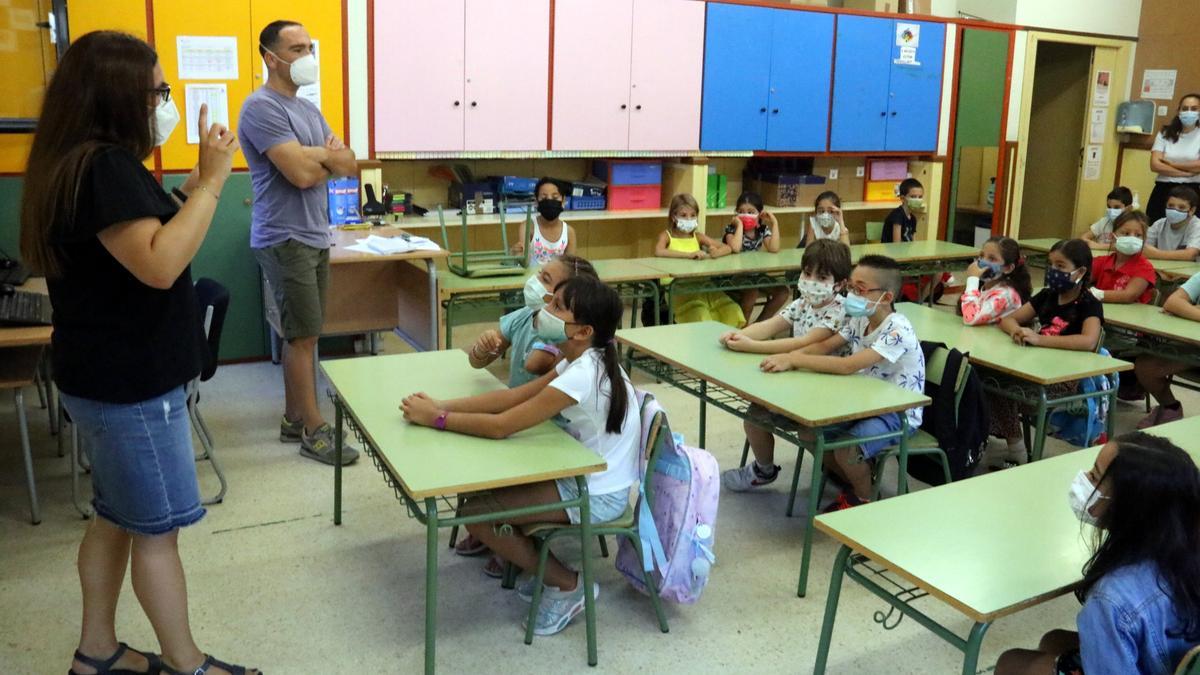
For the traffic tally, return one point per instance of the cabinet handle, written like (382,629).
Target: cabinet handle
(474,103)
(883,114)
(457,103)
(637,107)
(893,113)
(624,106)
(775,111)
(762,110)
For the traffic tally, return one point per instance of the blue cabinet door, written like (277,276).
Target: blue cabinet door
(737,70)
(801,58)
(861,74)
(915,99)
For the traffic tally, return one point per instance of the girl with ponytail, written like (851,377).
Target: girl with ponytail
(594,395)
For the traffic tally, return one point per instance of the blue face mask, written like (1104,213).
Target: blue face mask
(856,305)
(1175,216)
(1189,117)
(990,269)
(1059,281)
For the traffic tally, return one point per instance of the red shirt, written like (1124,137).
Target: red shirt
(1108,277)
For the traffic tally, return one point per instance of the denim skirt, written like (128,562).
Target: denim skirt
(143,466)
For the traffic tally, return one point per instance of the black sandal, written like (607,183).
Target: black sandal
(104,667)
(209,662)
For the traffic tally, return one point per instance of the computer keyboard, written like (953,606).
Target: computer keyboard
(24,309)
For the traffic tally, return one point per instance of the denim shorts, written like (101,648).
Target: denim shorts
(602,508)
(873,426)
(143,469)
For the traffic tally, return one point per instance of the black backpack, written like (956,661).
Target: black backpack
(962,429)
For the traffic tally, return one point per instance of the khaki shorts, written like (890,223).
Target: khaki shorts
(299,277)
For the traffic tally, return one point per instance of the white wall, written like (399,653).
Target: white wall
(1001,11)
(1106,17)
(356,39)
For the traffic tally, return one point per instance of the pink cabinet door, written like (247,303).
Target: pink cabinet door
(507,67)
(666,73)
(418,78)
(592,41)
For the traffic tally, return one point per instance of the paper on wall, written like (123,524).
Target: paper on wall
(1100,93)
(216,96)
(908,57)
(207,57)
(908,34)
(312,92)
(1158,84)
(1091,163)
(1098,125)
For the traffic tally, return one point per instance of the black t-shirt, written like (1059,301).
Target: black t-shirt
(1056,319)
(116,339)
(908,225)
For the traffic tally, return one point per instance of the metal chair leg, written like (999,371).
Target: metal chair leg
(206,442)
(745,453)
(603,546)
(35,515)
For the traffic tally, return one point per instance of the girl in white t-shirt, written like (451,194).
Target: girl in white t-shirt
(826,221)
(594,395)
(551,235)
(1175,156)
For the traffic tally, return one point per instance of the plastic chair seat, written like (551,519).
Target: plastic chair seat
(624,521)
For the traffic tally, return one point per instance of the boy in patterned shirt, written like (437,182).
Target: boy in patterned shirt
(815,317)
(882,344)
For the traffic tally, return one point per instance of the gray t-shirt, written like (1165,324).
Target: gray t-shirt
(283,211)
(1168,238)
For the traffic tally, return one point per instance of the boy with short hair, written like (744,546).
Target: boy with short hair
(1176,236)
(901,223)
(1100,233)
(882,344)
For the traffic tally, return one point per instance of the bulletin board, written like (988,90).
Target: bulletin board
(1166,39)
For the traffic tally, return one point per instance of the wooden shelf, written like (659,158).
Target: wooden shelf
(560,154)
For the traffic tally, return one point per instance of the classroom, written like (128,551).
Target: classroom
(536,289)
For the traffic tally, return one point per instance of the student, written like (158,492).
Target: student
(882,344)
(292,153)
(901,223)
(1141,603)
(997,283)
(827,221)
(1125,275)
(817,316)
(1177,235)
(1063,315)
(551,236)
(1100,234)
(682,240)
(1154,372)
(116,251)
(595,396)
(1175,156)
(753,229)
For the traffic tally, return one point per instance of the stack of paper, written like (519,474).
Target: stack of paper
(393,245)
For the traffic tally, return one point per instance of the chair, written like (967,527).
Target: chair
(498,262)
(214,302)
(624,526)
(18,370)
(874,232)
(1190,664)
(922,442)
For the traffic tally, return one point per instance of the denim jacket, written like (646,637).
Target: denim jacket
(1124,623)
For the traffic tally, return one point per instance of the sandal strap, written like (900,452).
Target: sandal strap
(211,661)
(102,666)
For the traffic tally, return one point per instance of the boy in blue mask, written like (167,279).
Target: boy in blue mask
(1176,236)
(882,344)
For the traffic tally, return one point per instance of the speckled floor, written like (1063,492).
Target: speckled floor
(274,584)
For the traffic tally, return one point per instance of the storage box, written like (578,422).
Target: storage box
(852,178)
(887,169)
(586,203)
(587,187)
(478,191)
(510,185)
(786,190)
(343,201)
(881,190)
(630,197)
(718,191)
(628,172)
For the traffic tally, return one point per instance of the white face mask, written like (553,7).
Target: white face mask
(1113,213)
(825,220)
(1175,216)
(166,117)
(814,291)
(1083,496)
(302,71)
(535,293)
(686,225)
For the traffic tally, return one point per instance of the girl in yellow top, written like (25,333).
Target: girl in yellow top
(681,240)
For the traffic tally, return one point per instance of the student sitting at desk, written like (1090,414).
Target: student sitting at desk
(882,344)
(901,223)
(681,240)
(1100,233)
(997,283)
(1141,603)
(753,229)
(1125,275)
(1154,373)
(551,236)
(1177,235)
(817,316)
(594,394)
(1063,315)
(827,221)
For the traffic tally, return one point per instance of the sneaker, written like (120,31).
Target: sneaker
(526,587)
(289,431)
(1006,457)
(559,608)
(319,445)
(845,500)
(1161,415)
(747,478)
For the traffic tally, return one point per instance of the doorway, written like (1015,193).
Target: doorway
(1054,154)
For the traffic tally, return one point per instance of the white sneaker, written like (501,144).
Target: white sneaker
(747,478)
(1005,457)
(558,608)
(526,586)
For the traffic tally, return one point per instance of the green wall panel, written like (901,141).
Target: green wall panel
(984,58)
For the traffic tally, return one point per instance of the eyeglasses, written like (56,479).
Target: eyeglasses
(163,92)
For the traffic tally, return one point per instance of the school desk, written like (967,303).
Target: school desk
(1019,373)
(987,546)
(1038,248)
(492,296)
(370,293)
(1146,329)
(21,364)
(427,468)
(689,357)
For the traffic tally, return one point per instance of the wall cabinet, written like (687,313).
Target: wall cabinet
(883,98)
(766,79)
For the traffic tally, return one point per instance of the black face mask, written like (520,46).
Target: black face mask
(550,209)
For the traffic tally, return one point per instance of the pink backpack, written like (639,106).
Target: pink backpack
(677,523)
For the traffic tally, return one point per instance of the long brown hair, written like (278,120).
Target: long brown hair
(1171,130)
(97,99)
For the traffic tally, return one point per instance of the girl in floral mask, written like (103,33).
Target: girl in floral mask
(997,283)
(826,221)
